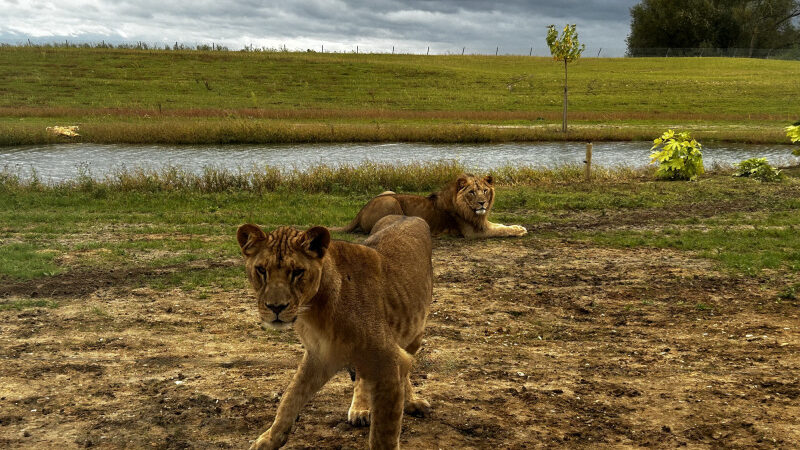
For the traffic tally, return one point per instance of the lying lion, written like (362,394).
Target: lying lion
(358,306)
(460,208)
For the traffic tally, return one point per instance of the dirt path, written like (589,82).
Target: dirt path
(530,343)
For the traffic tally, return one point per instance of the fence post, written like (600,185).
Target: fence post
(356,49)
(463,49)
(530,53)
(588,162)
(667,55)
(598,52)
(393,49)
(497,51)
(428,52)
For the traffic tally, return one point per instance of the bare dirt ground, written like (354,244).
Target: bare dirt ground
(531,343)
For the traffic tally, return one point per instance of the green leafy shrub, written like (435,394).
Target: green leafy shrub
(757,168)
(794,134)
(678,156)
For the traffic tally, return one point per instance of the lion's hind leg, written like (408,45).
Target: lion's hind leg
(378,208)
(385,381)
(358,414)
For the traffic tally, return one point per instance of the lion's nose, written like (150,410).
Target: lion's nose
(482,203)
(277,308)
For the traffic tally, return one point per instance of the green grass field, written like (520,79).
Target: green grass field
(218,97)
(150,224)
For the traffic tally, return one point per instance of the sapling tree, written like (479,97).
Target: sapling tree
(794,134)
(678,156)
(758,169)
(567,49)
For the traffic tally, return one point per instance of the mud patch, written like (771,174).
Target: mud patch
(83,282)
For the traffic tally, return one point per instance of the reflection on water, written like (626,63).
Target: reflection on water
(62,162)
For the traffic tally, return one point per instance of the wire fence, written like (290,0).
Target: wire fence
(760,53)
(497,50)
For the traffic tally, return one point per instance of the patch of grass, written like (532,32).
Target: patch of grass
(167,80)
(26,261)
(232,277)
(749,250)
(184,228)
(166,96)
(19,305)
(223,131)
(790,293)
(367,178)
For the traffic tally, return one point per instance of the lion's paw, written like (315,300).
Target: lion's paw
(419,407)
(358,417)
(519,230)
(268,442)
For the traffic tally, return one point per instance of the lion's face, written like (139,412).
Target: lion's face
(475,195)
(284,268)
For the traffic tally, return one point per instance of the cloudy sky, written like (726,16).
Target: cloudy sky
(447,26)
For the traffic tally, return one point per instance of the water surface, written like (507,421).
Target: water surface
(63,161)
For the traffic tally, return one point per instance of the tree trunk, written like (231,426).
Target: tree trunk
(753,41)
(564,121)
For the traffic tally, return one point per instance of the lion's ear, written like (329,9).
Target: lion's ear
(489,180)
(315,242)
(462,181)
(248,236)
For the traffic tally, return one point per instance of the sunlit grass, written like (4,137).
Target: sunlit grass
(180,232)
(118,95)
(19,305)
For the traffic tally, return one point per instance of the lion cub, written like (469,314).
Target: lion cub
(359,306)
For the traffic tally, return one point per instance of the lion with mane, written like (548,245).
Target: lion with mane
(357,306)
(460,208)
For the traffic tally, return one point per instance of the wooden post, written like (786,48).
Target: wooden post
(588,162)
(564,122)
(428,52)
(463,49)
(497,50)
(530,53)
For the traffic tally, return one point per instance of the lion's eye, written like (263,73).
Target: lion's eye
(485,191)
(471,192)
(297,274)
(261,270)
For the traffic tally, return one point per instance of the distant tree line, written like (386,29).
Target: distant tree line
(748,24)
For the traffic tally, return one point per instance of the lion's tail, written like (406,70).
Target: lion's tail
(355,223)
(351,227)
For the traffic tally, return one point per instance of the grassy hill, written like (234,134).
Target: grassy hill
(111,92)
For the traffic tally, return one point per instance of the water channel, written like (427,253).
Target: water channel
(54,163)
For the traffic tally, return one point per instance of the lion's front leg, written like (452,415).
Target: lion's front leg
(497,230)
(311,375)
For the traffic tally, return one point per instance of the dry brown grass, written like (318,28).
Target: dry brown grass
(352,114)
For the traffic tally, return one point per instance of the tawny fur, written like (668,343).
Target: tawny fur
(460,208)
(358,306)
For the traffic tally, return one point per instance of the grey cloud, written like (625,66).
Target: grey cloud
(514,25)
